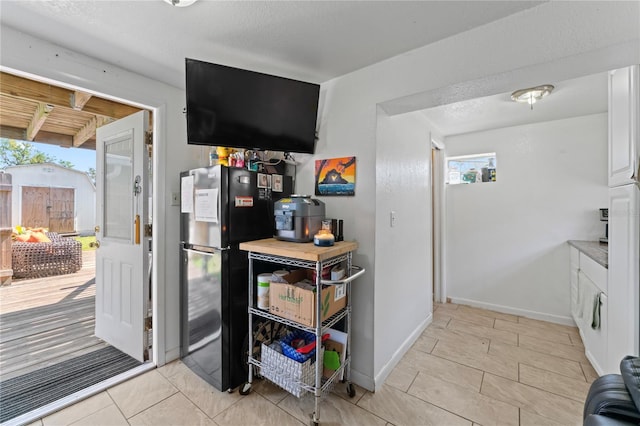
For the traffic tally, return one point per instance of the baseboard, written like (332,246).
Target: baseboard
(400,352)
(594,363)
(362,380)
(515,311)
(171,355)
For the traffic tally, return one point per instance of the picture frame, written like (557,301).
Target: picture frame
(263,180)
(335,177)
(276,183)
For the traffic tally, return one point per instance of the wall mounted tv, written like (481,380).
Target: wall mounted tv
(238,108)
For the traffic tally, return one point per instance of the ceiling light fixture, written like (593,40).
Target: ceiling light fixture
(532,95)
(181,3)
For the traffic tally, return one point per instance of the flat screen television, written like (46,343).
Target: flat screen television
(238,108)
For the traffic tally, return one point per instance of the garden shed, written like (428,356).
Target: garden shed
(55,197)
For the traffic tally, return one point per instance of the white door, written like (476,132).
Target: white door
(624,137)
(122,275)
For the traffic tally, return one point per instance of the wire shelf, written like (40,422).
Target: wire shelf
(289,261)
(325,324)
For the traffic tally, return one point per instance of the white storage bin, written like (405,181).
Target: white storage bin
(286,372)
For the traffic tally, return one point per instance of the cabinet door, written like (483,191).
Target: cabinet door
(624,254)
(595,339)
(624,96)
(575,295)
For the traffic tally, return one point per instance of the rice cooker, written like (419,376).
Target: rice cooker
(298,218)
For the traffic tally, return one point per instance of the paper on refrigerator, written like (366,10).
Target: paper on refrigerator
(186,192)
(206,205)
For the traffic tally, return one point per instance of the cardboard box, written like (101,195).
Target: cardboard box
(299,304)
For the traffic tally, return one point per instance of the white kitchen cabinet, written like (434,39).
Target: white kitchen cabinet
(624,108)
(589,284)
(624,294)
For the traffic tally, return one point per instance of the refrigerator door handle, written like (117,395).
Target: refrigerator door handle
(198,249)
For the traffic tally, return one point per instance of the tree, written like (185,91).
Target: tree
(65,163)
(16,153)
(92,174)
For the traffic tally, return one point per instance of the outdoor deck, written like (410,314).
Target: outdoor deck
(47,320)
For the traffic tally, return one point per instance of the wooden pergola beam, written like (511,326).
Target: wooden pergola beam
(79,99)
(51,138)
(39,117)
(42,136)
(60,97)
(10,132)
(89,130)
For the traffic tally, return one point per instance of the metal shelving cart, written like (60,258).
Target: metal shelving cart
(307,256)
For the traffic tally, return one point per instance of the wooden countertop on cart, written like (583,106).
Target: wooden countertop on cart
(304,251)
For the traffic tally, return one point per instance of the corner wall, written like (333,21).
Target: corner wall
(506,240)
(403,267)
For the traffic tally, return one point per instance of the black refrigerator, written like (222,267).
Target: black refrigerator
(220,208)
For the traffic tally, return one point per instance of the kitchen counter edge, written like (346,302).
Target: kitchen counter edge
(596,250)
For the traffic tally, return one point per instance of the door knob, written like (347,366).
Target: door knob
(95,244)
(96,229)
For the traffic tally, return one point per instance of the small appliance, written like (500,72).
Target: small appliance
(604,217)
(298,218)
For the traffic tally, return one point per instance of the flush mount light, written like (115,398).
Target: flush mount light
(181,3)
(532,95)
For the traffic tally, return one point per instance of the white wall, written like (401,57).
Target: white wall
(403,301)
(554,41)
(39,58)
(506,241)
(51,175)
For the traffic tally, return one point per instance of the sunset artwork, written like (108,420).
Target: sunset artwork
(336,176)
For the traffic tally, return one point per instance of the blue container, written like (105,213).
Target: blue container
(290,352)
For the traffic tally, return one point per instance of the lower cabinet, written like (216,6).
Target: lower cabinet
(589,307)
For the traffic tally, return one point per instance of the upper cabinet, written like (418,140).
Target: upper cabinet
(624,107)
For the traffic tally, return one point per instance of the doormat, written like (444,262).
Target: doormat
(25,393)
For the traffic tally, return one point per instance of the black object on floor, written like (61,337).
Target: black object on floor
(25,393)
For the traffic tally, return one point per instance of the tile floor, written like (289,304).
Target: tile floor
(470,366)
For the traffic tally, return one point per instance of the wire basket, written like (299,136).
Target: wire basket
(287,373)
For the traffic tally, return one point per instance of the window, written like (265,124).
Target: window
(471,168)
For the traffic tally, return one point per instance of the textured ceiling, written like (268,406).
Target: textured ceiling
(570,98)
(307,40)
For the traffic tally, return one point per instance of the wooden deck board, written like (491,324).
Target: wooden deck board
(44,321)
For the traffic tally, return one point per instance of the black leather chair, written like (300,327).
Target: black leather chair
(614,399)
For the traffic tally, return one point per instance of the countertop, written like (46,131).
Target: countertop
(594,249)
(304,251)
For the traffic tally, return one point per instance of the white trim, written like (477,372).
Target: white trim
(462,157)
(438,222)
(74,398)
(557,319)
(362,380)
(158,245)
(400,352)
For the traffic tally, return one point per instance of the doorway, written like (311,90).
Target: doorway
(94,361)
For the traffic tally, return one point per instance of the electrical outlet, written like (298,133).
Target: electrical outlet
(175,199)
